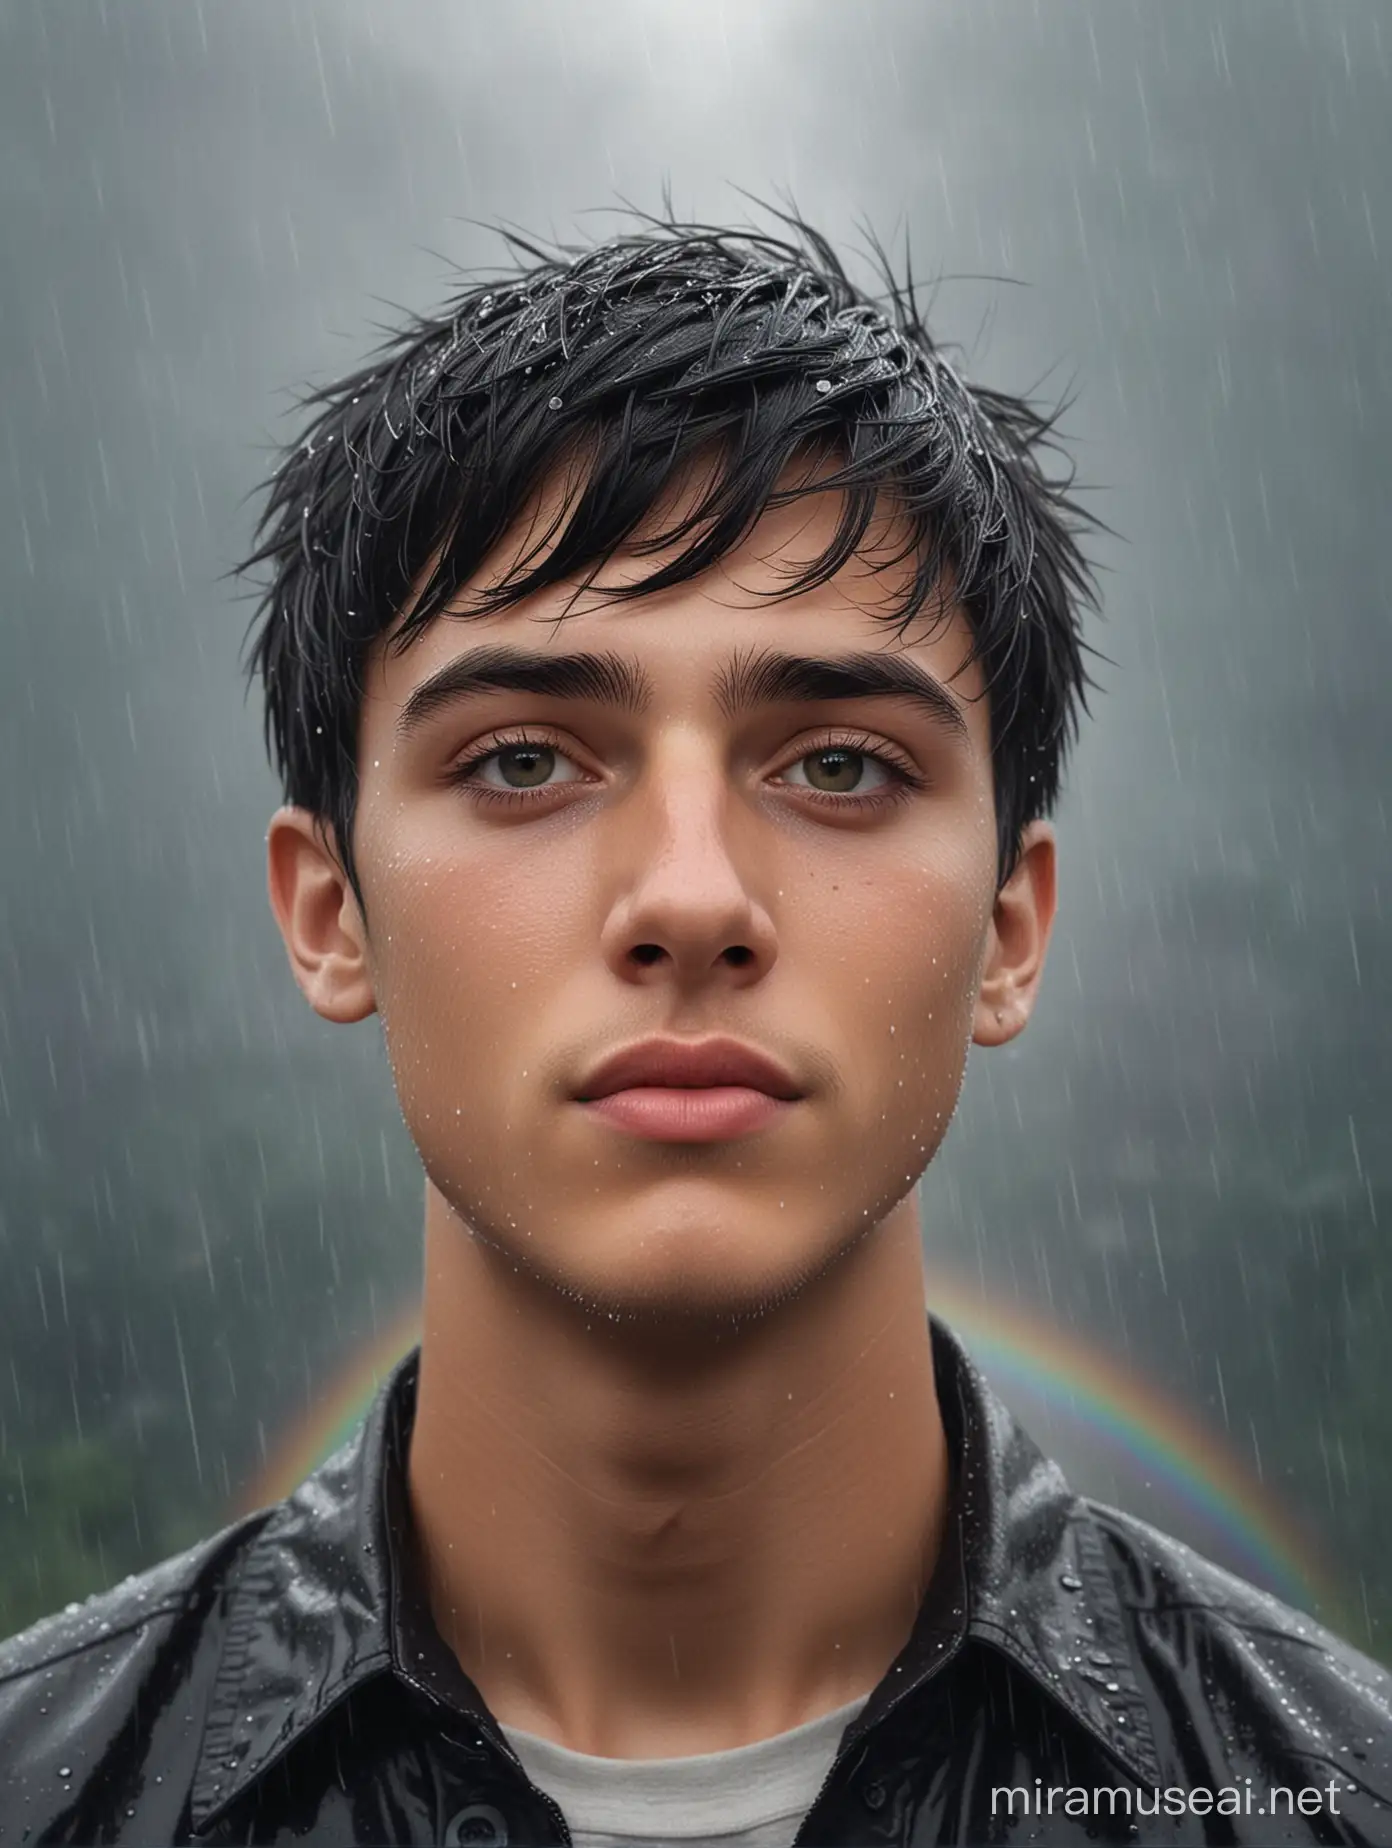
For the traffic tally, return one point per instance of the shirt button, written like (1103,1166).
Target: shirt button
(478,1823)
(874,1796)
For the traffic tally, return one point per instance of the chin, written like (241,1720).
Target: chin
(684,1260)
(656,1286)
(679,1313)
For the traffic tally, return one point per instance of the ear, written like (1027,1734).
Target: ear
(319,917)
(1017,940)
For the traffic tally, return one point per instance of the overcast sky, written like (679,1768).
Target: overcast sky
(1179,212)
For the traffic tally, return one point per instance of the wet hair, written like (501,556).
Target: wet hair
(646,356)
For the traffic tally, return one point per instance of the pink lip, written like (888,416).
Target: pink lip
(709,1113)
(686,1064)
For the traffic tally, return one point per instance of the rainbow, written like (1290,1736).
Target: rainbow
(1024,1354)
(1019,1353)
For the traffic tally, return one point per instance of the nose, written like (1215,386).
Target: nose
(688,904)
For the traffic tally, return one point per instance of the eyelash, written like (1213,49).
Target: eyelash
(907,779)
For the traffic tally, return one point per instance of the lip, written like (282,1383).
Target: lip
(690,1113)
(674,1064)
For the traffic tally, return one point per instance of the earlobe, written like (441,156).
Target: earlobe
(319,918)
(1017,941)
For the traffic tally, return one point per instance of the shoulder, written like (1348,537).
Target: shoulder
(143,1602)
(103,1687)
(1159,1577)
(1213,1640)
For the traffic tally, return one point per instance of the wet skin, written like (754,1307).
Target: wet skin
(677,1472)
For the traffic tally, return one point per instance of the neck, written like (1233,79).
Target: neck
(640,1548)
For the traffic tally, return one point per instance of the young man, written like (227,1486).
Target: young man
(669,662)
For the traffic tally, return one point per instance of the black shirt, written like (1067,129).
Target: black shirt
(283,1682)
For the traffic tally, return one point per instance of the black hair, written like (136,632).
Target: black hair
(645,354)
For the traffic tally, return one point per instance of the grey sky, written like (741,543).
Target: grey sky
(205,1194)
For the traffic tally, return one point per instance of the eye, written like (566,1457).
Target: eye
(842,763)
(844,770)
(525,765)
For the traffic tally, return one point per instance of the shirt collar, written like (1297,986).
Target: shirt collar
(330,1594)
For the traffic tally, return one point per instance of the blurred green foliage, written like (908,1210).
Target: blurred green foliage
(69,1524)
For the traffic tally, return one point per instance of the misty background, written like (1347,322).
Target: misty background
(208,1202)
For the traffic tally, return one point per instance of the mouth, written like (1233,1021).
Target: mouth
(689,1113)
(676,1064)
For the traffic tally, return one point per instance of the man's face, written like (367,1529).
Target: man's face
(686,869)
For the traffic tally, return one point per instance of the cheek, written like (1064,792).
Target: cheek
(462,951)
(929,963)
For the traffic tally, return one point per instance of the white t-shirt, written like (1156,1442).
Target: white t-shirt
(752,1797)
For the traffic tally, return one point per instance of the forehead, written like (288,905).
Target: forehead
(743,599)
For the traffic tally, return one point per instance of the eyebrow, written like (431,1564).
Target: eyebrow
(767,678)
